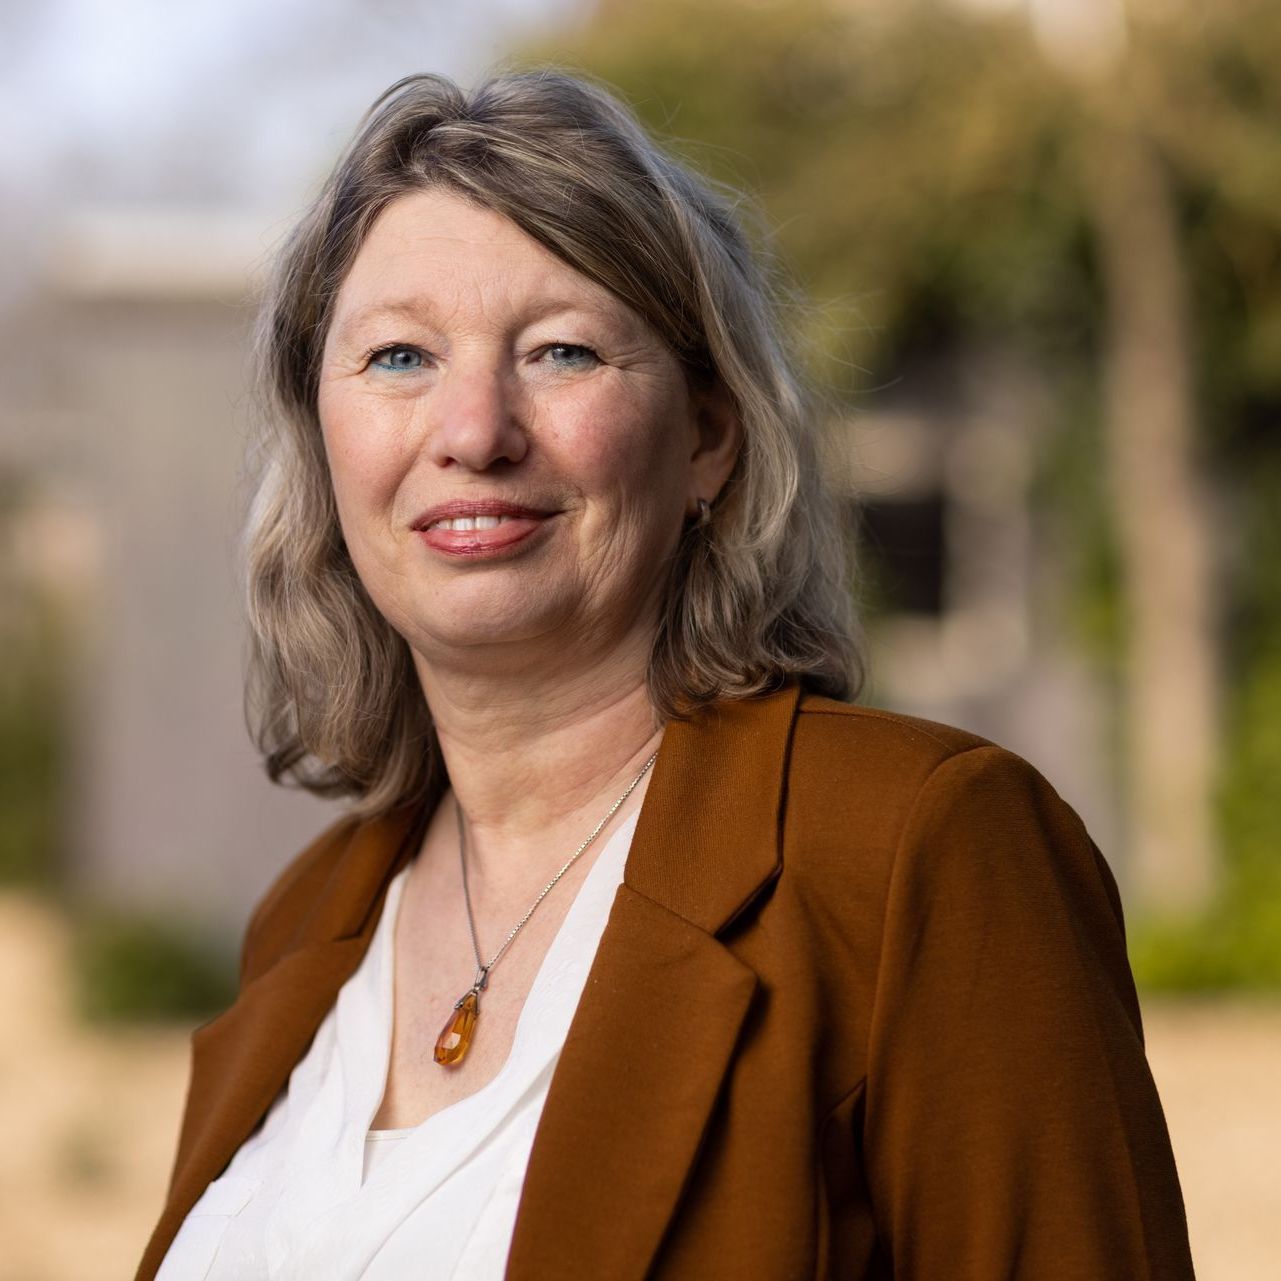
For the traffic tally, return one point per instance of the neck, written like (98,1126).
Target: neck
(535,762)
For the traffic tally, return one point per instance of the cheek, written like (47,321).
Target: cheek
(362,466)
(630,449)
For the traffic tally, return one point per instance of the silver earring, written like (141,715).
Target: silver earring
(704,511)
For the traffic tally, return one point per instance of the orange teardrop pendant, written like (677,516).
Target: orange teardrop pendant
(456,1035)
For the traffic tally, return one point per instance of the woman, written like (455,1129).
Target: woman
(643,952)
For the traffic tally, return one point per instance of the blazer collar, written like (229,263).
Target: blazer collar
(651,1038)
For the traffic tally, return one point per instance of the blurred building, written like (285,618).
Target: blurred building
(125,405)
(962,576)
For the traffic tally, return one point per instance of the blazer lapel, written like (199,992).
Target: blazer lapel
(658,1021)
(651,1039)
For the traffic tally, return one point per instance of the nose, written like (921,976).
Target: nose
(476,418)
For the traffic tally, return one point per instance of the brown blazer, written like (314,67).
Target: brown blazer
(862,1010)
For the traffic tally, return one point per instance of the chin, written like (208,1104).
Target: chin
(487,623)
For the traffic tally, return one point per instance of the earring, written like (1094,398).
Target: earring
(704,511)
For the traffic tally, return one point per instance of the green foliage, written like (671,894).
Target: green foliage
(140,968)
(33,730)
(1226,951)
(31,747)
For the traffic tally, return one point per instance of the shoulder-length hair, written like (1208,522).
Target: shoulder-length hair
(759,594)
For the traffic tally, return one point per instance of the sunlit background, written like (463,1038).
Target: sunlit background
(1044,240)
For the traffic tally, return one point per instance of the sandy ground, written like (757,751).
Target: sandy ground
(89,1121)
(1218,1068)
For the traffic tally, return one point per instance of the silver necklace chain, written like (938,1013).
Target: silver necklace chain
(482,971)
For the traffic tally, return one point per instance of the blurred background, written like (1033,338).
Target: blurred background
(1044,240)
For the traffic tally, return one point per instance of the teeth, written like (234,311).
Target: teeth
(462,523)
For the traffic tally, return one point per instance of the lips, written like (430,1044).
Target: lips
(479,528)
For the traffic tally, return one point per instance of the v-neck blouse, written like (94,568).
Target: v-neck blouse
(313,1192)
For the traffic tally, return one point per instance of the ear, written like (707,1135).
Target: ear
(719,439)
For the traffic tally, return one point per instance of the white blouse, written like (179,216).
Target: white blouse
(313,1192)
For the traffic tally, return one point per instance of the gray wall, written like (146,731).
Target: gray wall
(130,409)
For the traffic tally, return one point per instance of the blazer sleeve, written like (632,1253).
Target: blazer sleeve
(1012,1128)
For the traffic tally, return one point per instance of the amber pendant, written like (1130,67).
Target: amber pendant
(455,1036)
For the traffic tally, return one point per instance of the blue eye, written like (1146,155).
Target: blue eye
(568,355)
(399,358)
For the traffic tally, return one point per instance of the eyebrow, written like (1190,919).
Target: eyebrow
(420,310)
(395,309)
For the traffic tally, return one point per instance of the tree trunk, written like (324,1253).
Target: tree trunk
(1162,522)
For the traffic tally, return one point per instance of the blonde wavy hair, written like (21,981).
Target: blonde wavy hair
(759,594)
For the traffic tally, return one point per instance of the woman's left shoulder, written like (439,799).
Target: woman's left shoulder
(871,753)
(845,732)
(938,831)
(895,779)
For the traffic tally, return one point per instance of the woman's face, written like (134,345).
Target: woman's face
(512,449)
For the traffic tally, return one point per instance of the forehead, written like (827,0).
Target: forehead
(436,251)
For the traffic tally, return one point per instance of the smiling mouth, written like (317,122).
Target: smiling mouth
(462,524)
(482,537)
